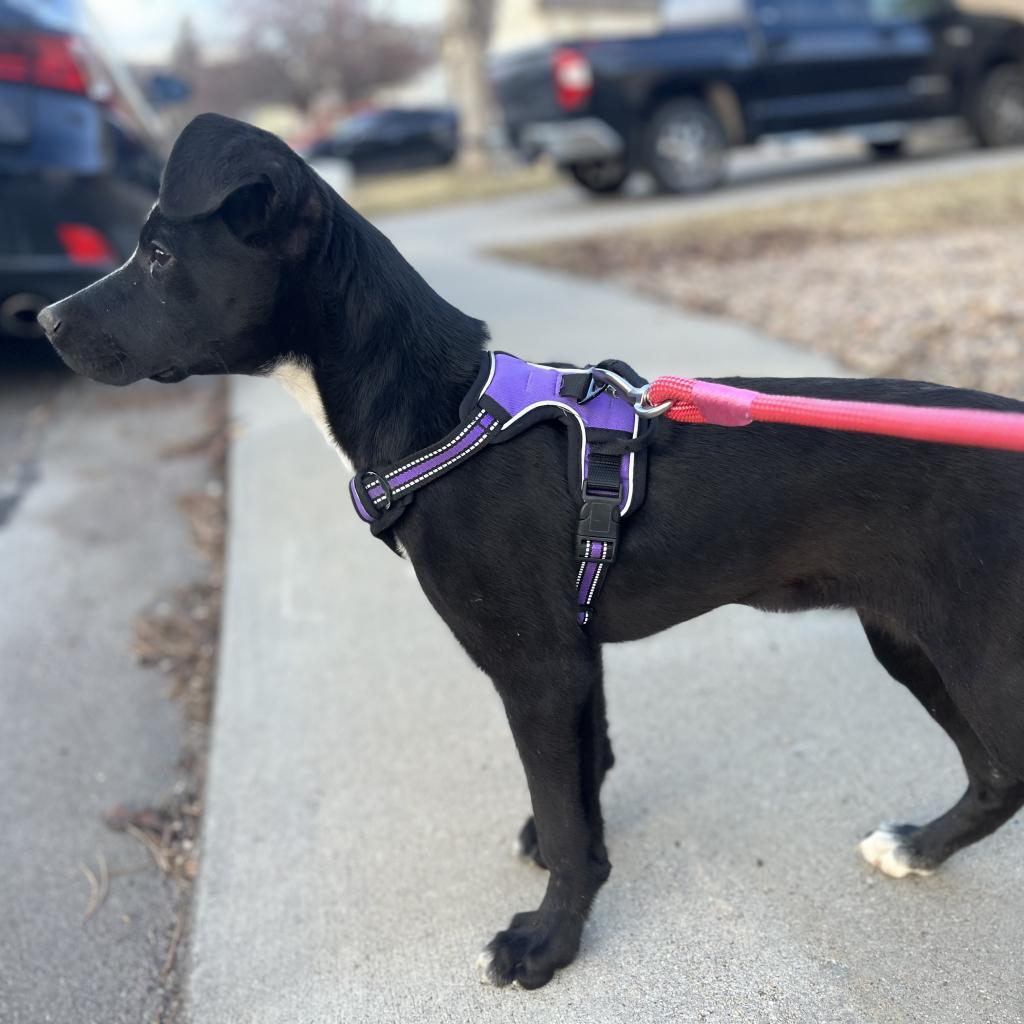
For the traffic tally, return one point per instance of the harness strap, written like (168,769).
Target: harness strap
(597,538)
(607,467)
(380,496)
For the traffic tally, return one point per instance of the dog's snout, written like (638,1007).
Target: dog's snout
(49,321)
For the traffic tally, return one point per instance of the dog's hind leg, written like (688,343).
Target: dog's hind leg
(992,796)
(527,845)
(551,702)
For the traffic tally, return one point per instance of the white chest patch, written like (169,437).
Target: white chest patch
(298,381)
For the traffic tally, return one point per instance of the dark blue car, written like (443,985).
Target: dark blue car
(80,158)
(393,139)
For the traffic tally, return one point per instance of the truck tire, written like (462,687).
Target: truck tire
(891,150)
(602,177)
(997,115)
(686,147)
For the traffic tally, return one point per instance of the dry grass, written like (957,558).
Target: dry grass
(396,193)
(913,281)
(179,637)
(985,200)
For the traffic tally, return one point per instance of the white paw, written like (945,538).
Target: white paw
(483,965)
(884,849)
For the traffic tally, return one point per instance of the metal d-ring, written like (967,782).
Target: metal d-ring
(378,481)
(619,386)
(649,412)
(631,392)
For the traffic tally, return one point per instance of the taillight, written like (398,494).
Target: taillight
(58,64)
(14,65)
(85,245)
(48,61)
(574,81)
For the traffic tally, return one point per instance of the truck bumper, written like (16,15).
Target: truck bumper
(572,141)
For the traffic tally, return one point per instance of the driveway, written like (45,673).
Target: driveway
(364,789)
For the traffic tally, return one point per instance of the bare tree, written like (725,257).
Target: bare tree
(467,33)
(337,46)
(186,53)
(235,86)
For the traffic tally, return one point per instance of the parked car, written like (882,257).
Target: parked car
(80,158)
(732,71)
(393,139)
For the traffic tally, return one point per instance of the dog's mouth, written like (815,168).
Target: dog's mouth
(170,376)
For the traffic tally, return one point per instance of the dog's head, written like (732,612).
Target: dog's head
(238,212)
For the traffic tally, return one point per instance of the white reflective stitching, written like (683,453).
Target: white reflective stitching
(632,460)
(593,585)
(437,451)
(583,567)
(490,375)
(575,415)
(426,476)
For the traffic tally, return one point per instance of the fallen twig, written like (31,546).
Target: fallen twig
(172,949)
(158,855)
(98,887)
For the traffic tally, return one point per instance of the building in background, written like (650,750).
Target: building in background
(1012,7)
(521,23)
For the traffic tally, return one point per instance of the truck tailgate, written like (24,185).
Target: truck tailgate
(525,86)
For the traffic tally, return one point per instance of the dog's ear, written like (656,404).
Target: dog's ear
(251,176)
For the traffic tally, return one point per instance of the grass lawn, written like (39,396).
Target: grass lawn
(395,193)
(917,281)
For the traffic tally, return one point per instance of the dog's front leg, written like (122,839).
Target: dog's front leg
(551,703)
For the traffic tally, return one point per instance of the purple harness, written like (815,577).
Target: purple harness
(607,454)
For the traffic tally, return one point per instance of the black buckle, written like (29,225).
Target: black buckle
(580,386)
(594,388)
(599,521)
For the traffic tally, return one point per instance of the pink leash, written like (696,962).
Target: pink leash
(698,401)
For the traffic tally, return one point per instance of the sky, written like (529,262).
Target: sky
(144,31)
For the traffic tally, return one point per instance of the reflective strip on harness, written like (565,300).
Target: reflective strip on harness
(607,465)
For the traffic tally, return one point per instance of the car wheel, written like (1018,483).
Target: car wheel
(998,115)
(890,150)
(686,147)
(602,177)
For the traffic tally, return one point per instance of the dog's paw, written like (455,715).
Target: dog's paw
(484,960)
(530,950)
(890,848)
(527,847)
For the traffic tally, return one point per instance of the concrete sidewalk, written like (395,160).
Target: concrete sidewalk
(364,790)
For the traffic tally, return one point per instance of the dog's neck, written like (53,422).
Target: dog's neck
(385,362)
(296,377)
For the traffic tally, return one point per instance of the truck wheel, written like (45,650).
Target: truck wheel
(601,177)
(998,114)
(686,147)
(891,150)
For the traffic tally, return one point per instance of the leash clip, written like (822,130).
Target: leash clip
(621,388)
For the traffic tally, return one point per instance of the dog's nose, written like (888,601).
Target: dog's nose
(49,321)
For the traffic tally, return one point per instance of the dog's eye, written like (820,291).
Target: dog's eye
(161,257)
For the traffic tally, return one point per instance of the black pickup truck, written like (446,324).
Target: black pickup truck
(675,102)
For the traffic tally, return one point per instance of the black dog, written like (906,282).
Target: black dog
(249,263)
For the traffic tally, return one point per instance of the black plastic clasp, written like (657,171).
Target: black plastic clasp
(580,386)
(599,521)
